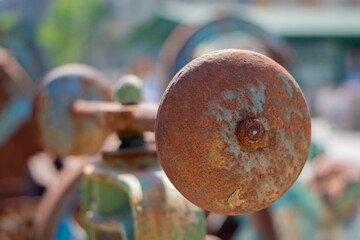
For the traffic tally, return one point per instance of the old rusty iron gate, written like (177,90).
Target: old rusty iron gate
(232,135)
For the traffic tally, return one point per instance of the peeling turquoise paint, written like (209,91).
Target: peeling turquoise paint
(60,95)
(227,116)
(137,205)
(257,96)
(286,82)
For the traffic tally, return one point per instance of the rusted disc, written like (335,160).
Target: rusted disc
(60,131)
(233,131)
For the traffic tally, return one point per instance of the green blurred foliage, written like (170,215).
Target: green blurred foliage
(8,21)
(67,30)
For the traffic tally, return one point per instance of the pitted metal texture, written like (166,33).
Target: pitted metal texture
(233,131)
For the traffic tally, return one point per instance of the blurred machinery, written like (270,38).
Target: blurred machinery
(186,43)
(73,115)
(18,141)
(219,110)
(132,175)
(126,195)
(18,135)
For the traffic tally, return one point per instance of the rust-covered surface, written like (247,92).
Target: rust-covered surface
(16,218)
(125,119)
(18,134)
(60,88)
(233,131)
(15,96)
(133,199)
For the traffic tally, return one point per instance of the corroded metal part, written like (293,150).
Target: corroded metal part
(16,217)
(61,204)
(53,204)
(133,119)
(233,131)
(18,134)
(124,200)
(15,96)
(60,131)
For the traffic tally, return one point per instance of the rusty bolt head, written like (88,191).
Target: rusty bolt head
(233,131)
(250,132)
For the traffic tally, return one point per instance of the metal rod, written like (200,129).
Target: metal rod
(117,117)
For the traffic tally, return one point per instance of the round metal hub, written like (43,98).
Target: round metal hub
(60,88)
(233,131)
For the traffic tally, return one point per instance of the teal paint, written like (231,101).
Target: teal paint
(285,80)
(226,116)
(13,115)
(61,93)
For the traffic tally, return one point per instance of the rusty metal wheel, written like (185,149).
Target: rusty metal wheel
(55,217)
(181,46)
(60,214)
(18,134)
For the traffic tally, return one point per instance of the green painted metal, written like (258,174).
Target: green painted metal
(130,201)
(129,90)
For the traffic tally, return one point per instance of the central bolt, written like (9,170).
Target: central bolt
(255,132)
(250,131)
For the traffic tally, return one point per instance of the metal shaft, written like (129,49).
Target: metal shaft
(117,117)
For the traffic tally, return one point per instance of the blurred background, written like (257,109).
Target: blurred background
(317,41)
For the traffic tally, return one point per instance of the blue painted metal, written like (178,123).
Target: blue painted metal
(16,106)
(12,115)
(59,130)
